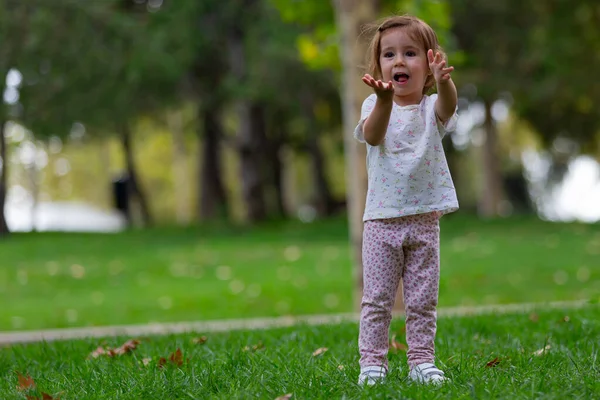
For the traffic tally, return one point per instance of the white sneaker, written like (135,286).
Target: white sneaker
(427,373)
(371,375)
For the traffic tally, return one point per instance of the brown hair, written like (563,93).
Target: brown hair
(418,29)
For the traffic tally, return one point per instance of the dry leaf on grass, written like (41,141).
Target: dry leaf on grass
(25,382)
(256,347)
(176,358)
(285,397)
(125,348)
(397,346)
(493,363)
(199,340)
(534,317)
(542,350)
(319,351)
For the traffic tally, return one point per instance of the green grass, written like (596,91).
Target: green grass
(221,369)
(50,280)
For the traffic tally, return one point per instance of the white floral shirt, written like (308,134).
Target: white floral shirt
(408,172)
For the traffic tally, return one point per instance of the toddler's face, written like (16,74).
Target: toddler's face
(404,62)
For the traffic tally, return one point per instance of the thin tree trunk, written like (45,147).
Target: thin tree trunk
(276,172)
(251,131)
(3,179)
(33,173)
(351,15)
(323,200)
(213,198)
(134,186)
(492,190)
(181,179)
(252,146)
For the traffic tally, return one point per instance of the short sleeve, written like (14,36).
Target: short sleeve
(448,126)
(365,111)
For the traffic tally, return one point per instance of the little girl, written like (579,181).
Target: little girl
(409,189)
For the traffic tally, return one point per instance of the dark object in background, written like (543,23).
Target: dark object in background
(517,193)
(120,187)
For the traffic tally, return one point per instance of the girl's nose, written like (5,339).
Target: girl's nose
(399,60)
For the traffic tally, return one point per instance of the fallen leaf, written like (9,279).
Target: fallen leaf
(45,396)
(146,361)
(177,358)
(256,347)
(285,397)
(534,317)
(125,348)
(98,352)
(319,351)
(493,363)
(542,350)
(397,346)
(25,382)
(199,340)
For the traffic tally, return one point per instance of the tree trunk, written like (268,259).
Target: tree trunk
(276,173)
(33,174)
(181,179)
(134,187)
(3,179)
(323,200)
(250,136)
(251,146)
(492,195)
(351,15)
(213,199)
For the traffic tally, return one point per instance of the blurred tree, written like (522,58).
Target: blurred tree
(559,103)
(14,24)
(351,17)
(542,59)
(493,55)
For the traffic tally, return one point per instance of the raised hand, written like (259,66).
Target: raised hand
(437,64)
(384,91)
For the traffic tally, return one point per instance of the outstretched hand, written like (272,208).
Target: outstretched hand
(437,64)
(384,91)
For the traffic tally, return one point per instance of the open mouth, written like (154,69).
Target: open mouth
(400,77)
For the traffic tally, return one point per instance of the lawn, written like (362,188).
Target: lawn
(542,355)
(51,280)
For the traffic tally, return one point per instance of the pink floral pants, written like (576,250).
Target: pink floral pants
(407,248)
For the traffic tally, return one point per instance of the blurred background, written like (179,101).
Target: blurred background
(158,114)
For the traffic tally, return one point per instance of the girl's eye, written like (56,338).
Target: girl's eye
(389,54)
(410,54)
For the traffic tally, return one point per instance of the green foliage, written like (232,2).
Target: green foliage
(540,53)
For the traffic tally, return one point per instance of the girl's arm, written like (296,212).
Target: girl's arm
(376,124)
(446,101)
(447,96)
